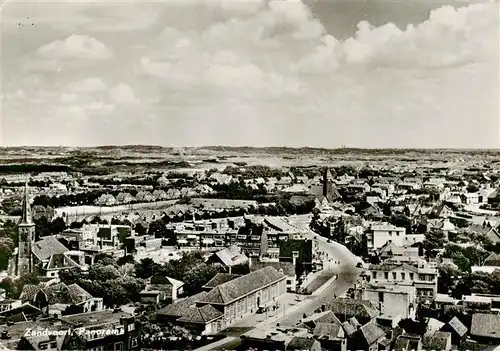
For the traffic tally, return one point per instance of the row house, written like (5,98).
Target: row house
(423,278)
(106,200)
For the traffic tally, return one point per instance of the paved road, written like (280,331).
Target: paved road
(346,271)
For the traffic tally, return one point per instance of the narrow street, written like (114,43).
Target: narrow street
(346,270)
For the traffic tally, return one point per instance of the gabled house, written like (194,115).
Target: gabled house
(144,196)
(457,329)
(105,200)
(368,337)
(438,341)
(124,198)
(408,342)
(159,195)
(229,257)
(344,309)
(171,289)
(50,257)
(485,231)
(69,299)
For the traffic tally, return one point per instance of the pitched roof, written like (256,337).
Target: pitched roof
(243,285)
(349,329)
(220,278)
(387,267)
(78,294)
(60,260)
(406,342)
(177,308)
(371,333)
(287,267)
(322,317)
(300,343)
(330,330)
(231,256)
(485,325)
(200,315)
(437,341)
(57,293)
(29,292)
(458,326)
(361,309)
(479,229)
(492,260)
(47,247)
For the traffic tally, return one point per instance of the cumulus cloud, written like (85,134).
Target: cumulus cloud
(75,47)
(272,71)
(123,93)
(88,85)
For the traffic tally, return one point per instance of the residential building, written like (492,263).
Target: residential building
(422,277)
(394,301)
(344,309)
(244,295)
(171,289)
(408,342)
(61,298)
(106,200)
(457,330)
(378,234)
(229,257)
(438,341)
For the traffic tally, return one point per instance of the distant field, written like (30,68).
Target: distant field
(113,159)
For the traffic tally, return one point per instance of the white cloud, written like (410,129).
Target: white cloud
(88,85)
(272,72)
(123,93)
(75,47)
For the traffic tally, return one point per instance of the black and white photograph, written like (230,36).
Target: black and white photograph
(264,175)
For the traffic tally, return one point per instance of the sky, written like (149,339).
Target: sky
(366,74)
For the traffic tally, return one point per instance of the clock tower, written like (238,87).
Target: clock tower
(26,232)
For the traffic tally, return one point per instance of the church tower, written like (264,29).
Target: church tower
(26,232)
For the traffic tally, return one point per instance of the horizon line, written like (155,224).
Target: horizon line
(244,146)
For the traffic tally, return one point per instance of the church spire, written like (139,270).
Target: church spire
(26,218)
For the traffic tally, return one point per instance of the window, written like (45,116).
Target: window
(288,281)
(118,346)
(402,276)
(386,275)
(394,275)
(411,276)
(374,275)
